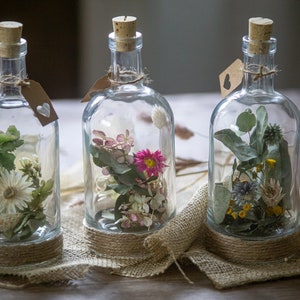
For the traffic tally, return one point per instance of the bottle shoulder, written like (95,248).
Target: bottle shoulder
(123,96)
(277,105)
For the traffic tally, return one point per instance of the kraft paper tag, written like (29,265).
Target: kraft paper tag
(231,77)
(39,102)
(100,85)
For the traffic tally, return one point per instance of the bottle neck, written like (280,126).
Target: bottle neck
(12,73)
(259,68)
(126,66)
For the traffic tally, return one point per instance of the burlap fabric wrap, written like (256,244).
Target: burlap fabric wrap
(180,238)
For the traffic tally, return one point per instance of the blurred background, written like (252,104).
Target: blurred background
(187,44)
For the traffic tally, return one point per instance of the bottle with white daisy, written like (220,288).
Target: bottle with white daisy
(254,153)
(128,133)
(29,166)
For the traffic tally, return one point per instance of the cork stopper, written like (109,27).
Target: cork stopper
(125,33)
(10,37)
(260,30)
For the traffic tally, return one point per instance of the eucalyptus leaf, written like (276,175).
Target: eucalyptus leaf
(103,158)
(257,137)
(222,198)
(239,148)
(246,121)
(119,188)
(286,170)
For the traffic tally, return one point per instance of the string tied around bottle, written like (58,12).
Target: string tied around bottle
(136,77)
(13,80)
(259,71)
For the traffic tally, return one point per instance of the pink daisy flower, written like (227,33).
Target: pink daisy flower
(150,162)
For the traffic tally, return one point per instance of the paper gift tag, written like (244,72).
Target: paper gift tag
(100,85)
(39,102)
(231,78)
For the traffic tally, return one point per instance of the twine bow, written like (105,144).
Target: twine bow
(13,80)
(262,71)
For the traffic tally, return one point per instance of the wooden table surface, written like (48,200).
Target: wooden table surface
(100,283)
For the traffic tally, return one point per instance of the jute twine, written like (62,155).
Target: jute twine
(114,245)
(20,254)
(262,71)
(12,80)
(182,237)
(249,251)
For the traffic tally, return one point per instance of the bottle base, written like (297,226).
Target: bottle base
(104,220)
(31,253)
(238,250)
(115,246)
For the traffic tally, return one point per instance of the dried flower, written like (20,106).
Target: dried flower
(9,221)
(242,214)
(150,162)
(15,191)
(158,116)
(273,134)
(234,215)
(244,190)
(229,211)
(259,168)
(125,140)
(271,192)
(271,163)
(277,210)
(130,179)
(247,207)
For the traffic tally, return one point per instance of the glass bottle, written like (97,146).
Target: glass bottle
(254,150)
(29,162)
(128,134)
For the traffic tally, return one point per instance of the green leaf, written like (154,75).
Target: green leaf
(9,141)
(256,139)
(222,198)
(119,188)
(239,148)
(11,134)
(41,193)
(286,168)
(103,158)
(7,161)
(246,121)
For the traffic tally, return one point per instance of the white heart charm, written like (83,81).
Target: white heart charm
(44,109)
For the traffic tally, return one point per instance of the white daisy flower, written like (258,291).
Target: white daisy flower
(15,191)
(158,116)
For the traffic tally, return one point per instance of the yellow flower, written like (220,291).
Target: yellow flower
(270,162)
(231,203)
(229,211)
(234,215)
(259,168)
(277,210)
(242,214)
(247,207)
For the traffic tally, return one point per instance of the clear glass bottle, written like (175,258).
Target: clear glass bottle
(128,134)
(29,161)
(254,150)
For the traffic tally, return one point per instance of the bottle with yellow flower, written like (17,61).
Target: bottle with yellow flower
(254,150)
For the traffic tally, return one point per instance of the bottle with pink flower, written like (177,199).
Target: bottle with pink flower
(128,134)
